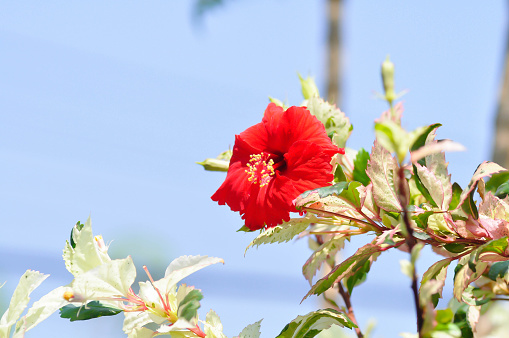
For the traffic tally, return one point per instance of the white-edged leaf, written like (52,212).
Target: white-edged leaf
(440,193)
(252,330)
(332,118)
(314,322)
(283,232)
(111,279)
(42,309)
(182,267)
(382,170)
(484,169)
(133,320)
(434,148)
(87,254)
(28,282)
(326,250)
(212,326)
(436,271)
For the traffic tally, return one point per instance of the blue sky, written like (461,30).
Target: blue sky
(106,106)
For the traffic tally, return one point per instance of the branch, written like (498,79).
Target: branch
(411,242)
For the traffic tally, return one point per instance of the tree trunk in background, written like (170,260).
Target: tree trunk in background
(501,146)
(334,73)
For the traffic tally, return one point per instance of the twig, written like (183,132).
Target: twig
(411,242)
(349,308)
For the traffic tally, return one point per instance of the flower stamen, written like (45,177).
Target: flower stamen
(259,170)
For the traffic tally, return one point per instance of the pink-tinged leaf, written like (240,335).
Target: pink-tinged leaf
(496,228)
(465,276)
(435,147)
(484,169)
(434,186)
(393,114)
(351,265)
(473,315)
(494,207)
(382,170)
(437,271)
(436,164)
(326,250)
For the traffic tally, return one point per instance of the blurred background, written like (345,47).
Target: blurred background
(105,106)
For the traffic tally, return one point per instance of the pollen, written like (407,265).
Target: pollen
(68,296)
(259,170)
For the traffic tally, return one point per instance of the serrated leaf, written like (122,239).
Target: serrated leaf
(94,309)
(111,279)
(313,323)
(42,309)
(437,271)
(284,232)
(252,330)
(333,119)
(349,266)
(322,253)
(86,253)
(382,170)
(28,282)
(484,169)
(212,326)
(465,274)
(360,164)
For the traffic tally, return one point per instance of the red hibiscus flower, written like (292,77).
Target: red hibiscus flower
(275,161)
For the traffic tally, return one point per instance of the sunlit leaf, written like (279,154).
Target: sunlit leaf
(326,250)
(251,331)
(349,266)
(334,120)
(313,323)
(284,232)
(382,170)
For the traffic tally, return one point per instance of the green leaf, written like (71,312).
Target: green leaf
(339,174)
(284,232)
(421,139)
(382,170)
(91,310)
(395,139)
(455,247)
(76,228)
(251,331)
(502,190)
(308,87)
(498,269)
(497,180)
(189,306)
(313,323)
(358,277)
(456,195)
(360,164)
